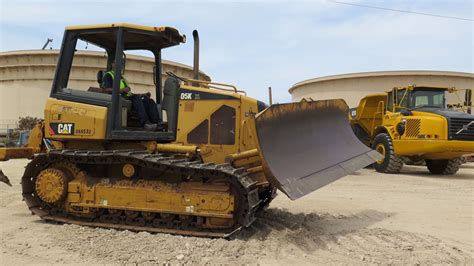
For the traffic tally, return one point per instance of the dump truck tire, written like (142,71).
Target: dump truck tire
(391,163)
(444,167)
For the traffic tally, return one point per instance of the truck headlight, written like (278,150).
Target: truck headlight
(401,128)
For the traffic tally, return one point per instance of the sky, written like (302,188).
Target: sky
(257,44)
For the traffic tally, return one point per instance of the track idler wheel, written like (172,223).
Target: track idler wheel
(51,185)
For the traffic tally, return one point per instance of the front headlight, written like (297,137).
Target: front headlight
(401,127)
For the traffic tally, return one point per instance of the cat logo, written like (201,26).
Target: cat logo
(186,96)
(65,129)
(61,128)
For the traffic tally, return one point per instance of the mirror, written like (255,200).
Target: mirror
(468,97)
(395,99)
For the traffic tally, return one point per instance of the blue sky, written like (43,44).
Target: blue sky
(256,44)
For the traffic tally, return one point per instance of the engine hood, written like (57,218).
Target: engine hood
(460,124)
(446,113)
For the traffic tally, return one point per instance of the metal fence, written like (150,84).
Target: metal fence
(7,129)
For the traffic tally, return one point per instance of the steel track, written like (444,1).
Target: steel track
(246,193)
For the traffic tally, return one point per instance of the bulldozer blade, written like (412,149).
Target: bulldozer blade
(4,178)
(307,145)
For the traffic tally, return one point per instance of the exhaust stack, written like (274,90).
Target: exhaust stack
(196,54)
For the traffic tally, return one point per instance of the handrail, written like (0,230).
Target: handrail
(381,107)
(210,83)
(236,91)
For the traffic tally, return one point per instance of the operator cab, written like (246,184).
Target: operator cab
(412,98)
(114,40)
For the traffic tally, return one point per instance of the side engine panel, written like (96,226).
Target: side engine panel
(71,120)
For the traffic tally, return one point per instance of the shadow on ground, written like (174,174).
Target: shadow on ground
(423,172)
(301,229)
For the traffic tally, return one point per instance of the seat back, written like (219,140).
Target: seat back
(100,77)
(170,102)
(91,96)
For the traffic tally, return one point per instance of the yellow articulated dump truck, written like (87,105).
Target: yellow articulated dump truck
(414,123)
(215,159)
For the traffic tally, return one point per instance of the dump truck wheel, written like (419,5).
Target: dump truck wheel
(391,163)
(444,167)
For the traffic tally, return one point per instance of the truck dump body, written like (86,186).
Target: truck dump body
(308,145)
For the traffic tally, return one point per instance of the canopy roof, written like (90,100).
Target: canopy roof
(135,36)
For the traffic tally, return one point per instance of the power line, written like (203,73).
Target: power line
(400,10)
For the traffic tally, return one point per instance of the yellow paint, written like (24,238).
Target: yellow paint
(35,140)
(381,149)
(176,148)
(117,25)
(34,145)
(50,185)
(433,149)
(374,116)
(203,109)
(188,198)
(15,153)
(128,170)
(89,120)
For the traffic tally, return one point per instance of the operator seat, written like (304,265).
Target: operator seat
(170,102)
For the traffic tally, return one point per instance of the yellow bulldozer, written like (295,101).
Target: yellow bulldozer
(216,160)
(415,123)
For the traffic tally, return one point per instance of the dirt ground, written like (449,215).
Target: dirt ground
(364,218)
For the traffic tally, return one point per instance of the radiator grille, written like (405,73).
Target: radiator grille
(412,128)
(461,128)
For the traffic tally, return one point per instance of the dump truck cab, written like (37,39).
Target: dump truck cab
(413,123)
(416,97)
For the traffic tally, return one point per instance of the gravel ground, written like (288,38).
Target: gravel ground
(408,218)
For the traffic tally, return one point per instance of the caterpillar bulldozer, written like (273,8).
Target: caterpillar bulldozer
(217,159)
(415,123)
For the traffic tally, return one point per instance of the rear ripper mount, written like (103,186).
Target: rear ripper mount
(243,189)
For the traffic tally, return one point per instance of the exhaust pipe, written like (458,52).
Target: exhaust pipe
(196,54)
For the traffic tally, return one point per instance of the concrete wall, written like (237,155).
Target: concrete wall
(26,78)
(353,87)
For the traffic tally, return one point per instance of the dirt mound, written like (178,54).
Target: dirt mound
(277,234)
